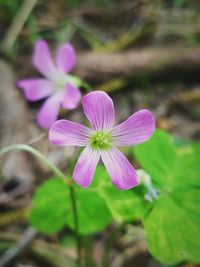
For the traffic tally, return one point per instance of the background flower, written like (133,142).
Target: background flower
(102,139)
(58,86)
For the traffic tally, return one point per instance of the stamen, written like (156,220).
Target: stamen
(101,140)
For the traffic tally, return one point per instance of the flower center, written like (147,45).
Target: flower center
(61,81)
(64,78)
(101,140)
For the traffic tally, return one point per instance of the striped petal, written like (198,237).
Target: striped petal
(86,166)
(68,133)
(98,108)
(135,130)
(122,173)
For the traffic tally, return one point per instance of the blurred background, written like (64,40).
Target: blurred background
(144,53)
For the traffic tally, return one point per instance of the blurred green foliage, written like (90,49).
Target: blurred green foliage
(180,2)
(9,7)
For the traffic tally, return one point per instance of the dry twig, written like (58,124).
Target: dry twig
(15,251)
(102,66)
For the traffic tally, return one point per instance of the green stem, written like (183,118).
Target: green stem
(76,223)
(88,252)
(75,211)
(109,244)
(36,153)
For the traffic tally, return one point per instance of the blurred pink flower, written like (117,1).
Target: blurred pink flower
(58,86)
(101,141)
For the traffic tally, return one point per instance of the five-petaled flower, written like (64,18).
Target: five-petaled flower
(58,85)
(101,141)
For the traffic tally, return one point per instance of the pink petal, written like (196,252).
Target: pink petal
(68,133)
(36,89)
(135,130)
(43,61)
(85,168)
(66,58)
(122,173)
(98,108)
(71,96)
(49,111)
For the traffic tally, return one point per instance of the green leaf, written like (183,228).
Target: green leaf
(158,157)
(168,163)
(189,164)
(93,213)
(173,227)
(50,206)
(173,224)
(124,205)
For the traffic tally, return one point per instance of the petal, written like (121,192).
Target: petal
(122,173)
(43,61)
(85,168)
(98,108)
(135,130)
(36,89)
(68,133)
(66,58)
(49,111)
(71,96)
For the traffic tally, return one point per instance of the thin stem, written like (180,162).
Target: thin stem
(88,252)
(75,211)
(84,244)
(72,163)
(109,244)
(76,223)
(36,153)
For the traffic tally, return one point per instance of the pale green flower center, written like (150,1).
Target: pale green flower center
(101,140)
(63,78)
(61,81)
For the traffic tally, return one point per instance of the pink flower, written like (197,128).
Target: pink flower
(101,141)
(58,86)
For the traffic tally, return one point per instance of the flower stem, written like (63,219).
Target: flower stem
(108,246)
(76,223)
(36,153)
(75,211)
(88,252)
